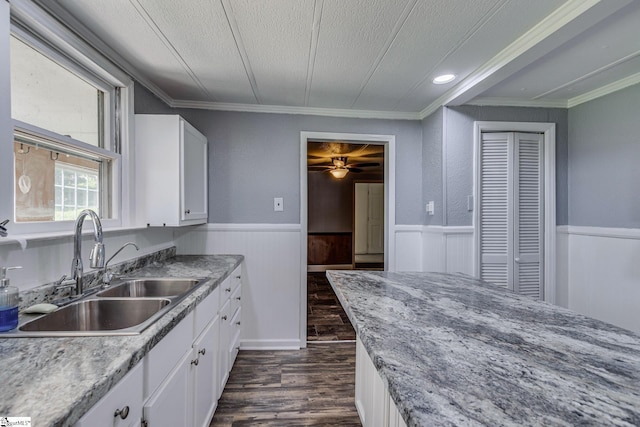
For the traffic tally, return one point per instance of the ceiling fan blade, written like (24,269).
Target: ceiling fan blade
(356,170)
(319,168)
(363,165)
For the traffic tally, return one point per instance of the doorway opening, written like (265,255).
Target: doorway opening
(334,168)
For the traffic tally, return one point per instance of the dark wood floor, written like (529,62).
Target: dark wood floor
(326,319)
(308,387)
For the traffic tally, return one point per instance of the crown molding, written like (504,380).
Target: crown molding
(280,109)
(519,102)
(604,90)
(515,52)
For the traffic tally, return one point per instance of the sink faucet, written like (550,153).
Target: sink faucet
(97,253)
(106,276)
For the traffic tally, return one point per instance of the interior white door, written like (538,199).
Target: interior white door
(375,221)
(511,211)
(361,195)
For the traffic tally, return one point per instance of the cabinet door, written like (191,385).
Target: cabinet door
(171,404)
(125,397)
(193,170)
(204,374)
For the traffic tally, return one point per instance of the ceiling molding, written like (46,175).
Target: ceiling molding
(318,6)
(515,102)
(167,44)
(465,38)
(604,90)
(402,19)
(242,51)
(602,69)
(521,52)
(105,50)
(279,109)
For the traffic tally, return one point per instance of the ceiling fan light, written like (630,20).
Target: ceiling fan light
(339,173)
(445,78)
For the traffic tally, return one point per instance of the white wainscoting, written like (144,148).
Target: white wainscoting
(434,248)
(603,273)
(271,277)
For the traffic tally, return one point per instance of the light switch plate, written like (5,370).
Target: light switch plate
(430,208)
(278,204)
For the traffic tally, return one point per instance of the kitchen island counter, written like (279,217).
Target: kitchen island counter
(452,350)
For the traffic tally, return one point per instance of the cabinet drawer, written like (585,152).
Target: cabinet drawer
(206,311)
(236,299)
(165,355)
(125,396)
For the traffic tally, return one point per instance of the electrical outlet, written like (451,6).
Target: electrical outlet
(278,204)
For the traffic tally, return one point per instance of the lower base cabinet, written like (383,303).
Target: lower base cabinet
(373,402)
(180,380)
(121,406)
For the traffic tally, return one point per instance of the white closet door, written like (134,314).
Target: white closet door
(375,223)
(495,221)
(529,209)
(511,211)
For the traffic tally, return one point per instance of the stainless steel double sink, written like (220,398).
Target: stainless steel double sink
(125,308)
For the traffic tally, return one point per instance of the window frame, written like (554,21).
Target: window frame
(31,24)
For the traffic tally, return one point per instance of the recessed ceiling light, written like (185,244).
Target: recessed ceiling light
(445,78)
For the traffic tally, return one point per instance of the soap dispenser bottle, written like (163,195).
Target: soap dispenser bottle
(8,302)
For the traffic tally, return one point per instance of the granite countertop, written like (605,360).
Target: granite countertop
(56,380)
(456,351)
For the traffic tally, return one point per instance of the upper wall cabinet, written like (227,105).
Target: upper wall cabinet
(171,171)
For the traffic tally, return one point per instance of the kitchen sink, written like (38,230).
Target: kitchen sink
(150,288)
(96,316)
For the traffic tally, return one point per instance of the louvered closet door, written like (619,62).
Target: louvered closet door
(511,203)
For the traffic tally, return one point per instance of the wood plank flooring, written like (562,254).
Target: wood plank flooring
(308,387)
(326,319)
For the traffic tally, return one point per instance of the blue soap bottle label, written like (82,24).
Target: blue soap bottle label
(8,318)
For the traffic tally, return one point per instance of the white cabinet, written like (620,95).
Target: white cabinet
(373,402)
(170,403)
(230,324)
(121,406)
(204,376)
(171,171)
(180,380)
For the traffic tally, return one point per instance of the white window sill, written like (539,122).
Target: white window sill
(24,239)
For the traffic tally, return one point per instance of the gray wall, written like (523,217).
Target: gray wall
(432,167)
(604,151)
(458,154)
(254,157)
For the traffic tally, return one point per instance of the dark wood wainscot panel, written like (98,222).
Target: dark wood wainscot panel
(329,248)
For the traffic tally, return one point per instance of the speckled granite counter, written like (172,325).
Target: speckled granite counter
(455,351)
(56,380)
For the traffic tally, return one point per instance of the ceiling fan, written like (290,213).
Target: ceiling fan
(339,167)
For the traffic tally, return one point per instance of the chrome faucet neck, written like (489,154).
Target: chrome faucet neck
(97,253)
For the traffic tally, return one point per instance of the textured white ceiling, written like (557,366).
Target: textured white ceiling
(364,57)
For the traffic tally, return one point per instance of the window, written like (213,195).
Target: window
(64,145)
(76,189)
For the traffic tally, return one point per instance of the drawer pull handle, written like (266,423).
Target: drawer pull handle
(194,362)
(122,413)
(188,211)
(238,323)
(227,290)
(203,351)
(238,277)
(238,348)
(238,298)
(224,317)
